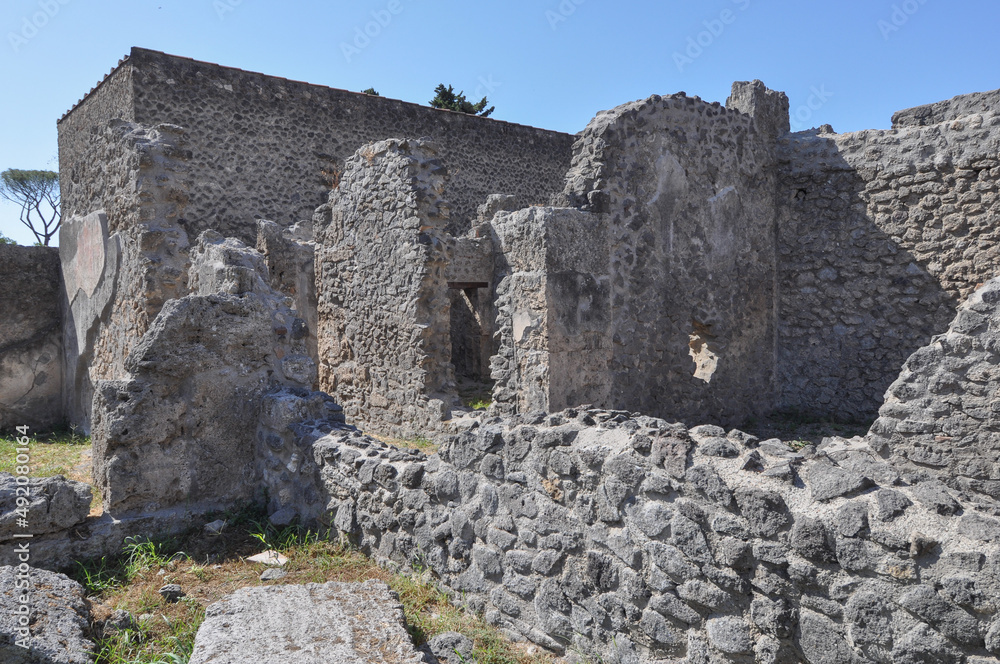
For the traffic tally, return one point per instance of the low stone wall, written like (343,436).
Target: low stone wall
(30,338)
(633,539)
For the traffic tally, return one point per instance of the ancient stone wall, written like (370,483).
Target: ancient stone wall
(30,338)
(880,234)
(941,416)
(553,310)
(81,179)
(123,251)
(269,148)
(948,110)
(470,276)
(686,191)
(290,257)
(384,309)
(633,539)
(178,430)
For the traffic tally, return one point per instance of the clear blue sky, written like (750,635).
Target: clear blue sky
(546,63)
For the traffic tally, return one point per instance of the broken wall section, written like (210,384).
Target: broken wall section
(384,308)
(941,416)
(179,431)
(289,254)
(553,310)
(123,249)
(948,110)
(880,235)
(30,338)
(686,191)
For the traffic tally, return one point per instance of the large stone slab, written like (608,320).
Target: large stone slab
(57,617)
(331,623)
(55,503)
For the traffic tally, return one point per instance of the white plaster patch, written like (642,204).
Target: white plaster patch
(523,323)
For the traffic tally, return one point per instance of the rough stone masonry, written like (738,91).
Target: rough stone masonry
(631,539)
(683,260)
(725,268)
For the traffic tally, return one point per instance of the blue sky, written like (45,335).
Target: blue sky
(547,63)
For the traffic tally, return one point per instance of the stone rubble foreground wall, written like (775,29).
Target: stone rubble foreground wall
(123,250)
(384,308)
(880,235)
(179,431)
(941,416)
(30,338)
(265,147)
(635,540)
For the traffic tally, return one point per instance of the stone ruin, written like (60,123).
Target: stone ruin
(253,271)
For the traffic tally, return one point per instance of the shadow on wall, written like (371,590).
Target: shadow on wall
(854,302)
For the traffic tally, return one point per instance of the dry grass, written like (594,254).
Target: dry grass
(52,454)
(425,445)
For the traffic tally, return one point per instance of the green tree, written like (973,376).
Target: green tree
(6,240)
(37,192)
(371,91)
(446,98)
